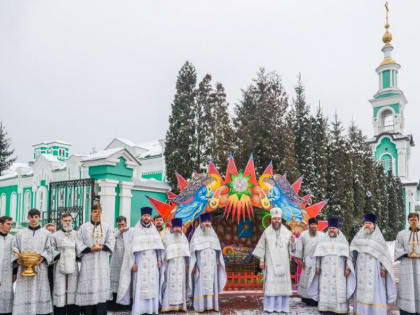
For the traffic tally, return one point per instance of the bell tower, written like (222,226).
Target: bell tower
(391,145)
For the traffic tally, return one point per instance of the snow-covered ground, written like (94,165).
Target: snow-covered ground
(251,305)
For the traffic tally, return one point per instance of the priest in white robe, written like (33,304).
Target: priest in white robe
(145,260)
(95,243)
(333,281)
(122,243)
(66,269)
(175,262)
(207,274)
(407,251)
(305,248)
(374,271)
(7,272)
(32,294)
(273,250)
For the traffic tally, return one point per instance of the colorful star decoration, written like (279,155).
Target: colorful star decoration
(240,185)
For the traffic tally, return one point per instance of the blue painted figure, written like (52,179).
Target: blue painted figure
(192,201)
(282,195)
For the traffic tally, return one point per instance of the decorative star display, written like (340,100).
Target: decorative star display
(240,185)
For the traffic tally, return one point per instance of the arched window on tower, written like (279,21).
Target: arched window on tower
(387,163)
(387,120)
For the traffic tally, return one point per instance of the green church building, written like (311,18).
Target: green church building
(56,181)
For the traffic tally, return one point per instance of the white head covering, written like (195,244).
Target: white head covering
(275,212)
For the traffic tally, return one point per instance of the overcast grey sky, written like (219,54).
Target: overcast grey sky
(88,71)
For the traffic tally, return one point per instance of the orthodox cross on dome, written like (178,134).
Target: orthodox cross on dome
(387,38)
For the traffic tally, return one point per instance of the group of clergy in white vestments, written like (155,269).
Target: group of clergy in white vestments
(154,269)
(146,269)
(335,272)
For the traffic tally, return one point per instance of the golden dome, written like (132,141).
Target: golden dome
(387,62)
(387,38)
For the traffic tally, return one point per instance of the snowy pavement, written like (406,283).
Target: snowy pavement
(252,305)
(245,303)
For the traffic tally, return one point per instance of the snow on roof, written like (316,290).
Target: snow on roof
(51,158)
(153,148)
(151,183)
(408,181)
(127,142)
(51,142)
(15,169)
(102,154)
(8,175)
(56,163)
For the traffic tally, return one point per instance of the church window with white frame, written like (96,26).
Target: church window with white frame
(26,205)
(42,199)
(13,206)
(3,205)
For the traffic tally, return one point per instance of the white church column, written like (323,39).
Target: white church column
(402,160)
(19,208)
(34,196)
(125,200)
(107,197)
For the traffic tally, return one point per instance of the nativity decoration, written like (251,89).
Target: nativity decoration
(240,205)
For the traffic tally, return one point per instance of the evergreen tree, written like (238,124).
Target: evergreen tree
(340,180)
(181,143)
(358,151)
(260,120)
(397,214)
(320,144)
(288,164)
(382,197)
(370,183)
(221,133)
(6,152)
(203,123)
(302,128)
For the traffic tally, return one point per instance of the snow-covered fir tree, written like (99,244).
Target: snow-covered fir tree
(203,123)
(180,143)
(6,152)
(382,197)
(288,164)
(320,144)
(259,121)
(397,212)
(221,133)
(340,178)
(359,152)
(302,128)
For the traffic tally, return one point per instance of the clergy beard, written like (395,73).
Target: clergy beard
(67,228)
(312,232)
(146,225)
(206,230)
(177,236)
(367,231)
(276,226)
(332,234)
(159,227)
